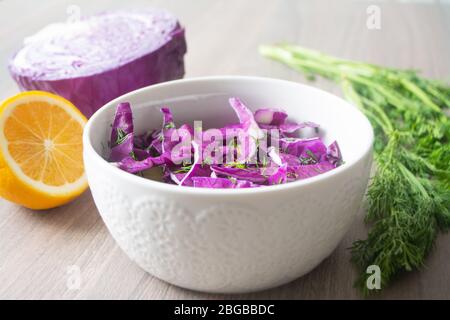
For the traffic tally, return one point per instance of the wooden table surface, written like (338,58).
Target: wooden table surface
(38,250)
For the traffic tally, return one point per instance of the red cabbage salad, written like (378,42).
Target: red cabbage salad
(263,148)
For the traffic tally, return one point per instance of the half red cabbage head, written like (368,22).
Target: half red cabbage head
(98,58)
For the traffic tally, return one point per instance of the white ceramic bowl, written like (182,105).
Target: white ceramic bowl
(230,240)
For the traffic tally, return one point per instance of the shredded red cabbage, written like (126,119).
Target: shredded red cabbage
(264,148)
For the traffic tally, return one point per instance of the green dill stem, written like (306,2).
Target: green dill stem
(419,94)
(390,95)
(415,183)
(381,113)
(382,120)
(435,89)
(286,57)
(330,70)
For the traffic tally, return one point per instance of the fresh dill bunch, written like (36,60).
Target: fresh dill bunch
(409,196)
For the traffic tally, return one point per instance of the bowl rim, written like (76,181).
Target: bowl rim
(134,179)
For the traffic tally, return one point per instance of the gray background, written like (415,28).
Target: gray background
(38,248)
